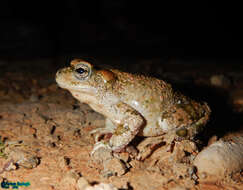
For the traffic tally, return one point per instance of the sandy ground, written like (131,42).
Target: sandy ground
(45,139)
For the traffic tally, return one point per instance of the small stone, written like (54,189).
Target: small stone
(29,163)
(69,181)
(220,81)
(115,166)
(132,151)
(101,153)
(189,146)
(124,156)
(101,186)
(8,166)
(62,162)
(52,87)
(82,183)
(23,158)
(135,163)
(178,188)
(34,98)
(203,175)
(181,170)
(11,167)
(236,98)
(221,158)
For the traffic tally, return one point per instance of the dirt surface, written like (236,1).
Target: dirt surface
(45,140)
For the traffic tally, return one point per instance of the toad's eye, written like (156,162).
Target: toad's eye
(82,71)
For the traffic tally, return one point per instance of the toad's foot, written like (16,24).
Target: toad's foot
(101,134)
(148,146)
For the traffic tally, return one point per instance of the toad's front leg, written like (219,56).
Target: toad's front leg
(127,123)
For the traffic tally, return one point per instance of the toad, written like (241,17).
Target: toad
(132,104)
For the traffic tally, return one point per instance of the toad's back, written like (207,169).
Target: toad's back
(163,108)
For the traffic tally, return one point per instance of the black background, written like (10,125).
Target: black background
(201,29)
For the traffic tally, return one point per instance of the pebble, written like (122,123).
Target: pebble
(221,158)
(220,81)
(83,184)
(115,166)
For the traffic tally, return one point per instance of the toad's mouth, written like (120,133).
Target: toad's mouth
(84,91)
(78,89)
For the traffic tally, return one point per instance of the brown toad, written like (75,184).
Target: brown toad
(133,104)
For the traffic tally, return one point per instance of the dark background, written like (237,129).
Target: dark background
(184,29)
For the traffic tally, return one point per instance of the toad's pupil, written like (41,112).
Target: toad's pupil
(80,70)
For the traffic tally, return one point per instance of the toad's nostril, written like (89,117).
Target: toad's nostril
(58,72)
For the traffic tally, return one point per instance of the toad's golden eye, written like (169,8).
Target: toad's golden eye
(82,71)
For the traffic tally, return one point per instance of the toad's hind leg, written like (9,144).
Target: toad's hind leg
(128,123)
(120,129)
